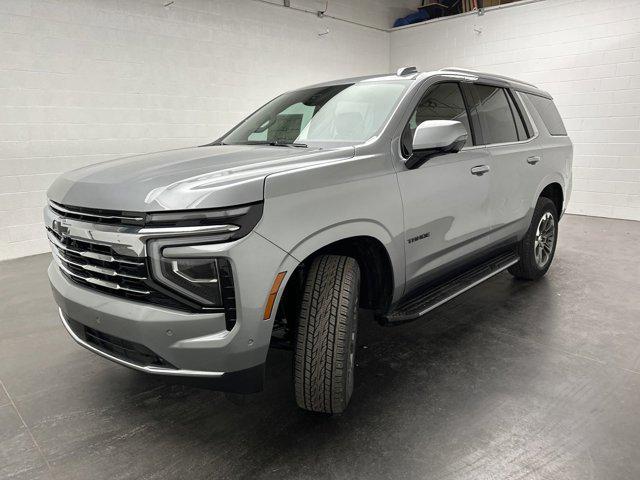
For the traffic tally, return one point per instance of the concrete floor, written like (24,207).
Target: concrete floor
(511,380)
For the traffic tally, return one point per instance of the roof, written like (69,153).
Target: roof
(495,78)
(413,74)
(380,76)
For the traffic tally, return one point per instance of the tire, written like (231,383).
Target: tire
(530,266)
(326,336)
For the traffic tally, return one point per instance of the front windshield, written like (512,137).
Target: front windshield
(344,114)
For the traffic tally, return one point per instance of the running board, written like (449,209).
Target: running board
(418,304)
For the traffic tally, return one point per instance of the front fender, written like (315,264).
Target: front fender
(307,209)
(323,237)
(332,233)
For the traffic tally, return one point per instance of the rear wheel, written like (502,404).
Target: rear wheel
(538,246)
(326,336)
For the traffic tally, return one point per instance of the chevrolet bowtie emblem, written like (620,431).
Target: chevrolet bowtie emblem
(59,228)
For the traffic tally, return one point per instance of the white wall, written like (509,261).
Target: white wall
(82,81)
(586,53)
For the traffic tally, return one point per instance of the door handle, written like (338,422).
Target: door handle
(533,160)
(480,170)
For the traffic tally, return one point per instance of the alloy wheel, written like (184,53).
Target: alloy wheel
(545,238)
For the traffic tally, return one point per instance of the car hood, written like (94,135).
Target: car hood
(198,177)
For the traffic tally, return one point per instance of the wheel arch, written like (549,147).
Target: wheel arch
(369,244)
(555,193)
(376,270)
(553,188)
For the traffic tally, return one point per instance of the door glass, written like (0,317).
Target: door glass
(495,115)
(441,102)
(522,133)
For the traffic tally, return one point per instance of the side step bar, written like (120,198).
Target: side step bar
(432,297)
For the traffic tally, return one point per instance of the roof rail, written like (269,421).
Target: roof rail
(490,75)
(406,71)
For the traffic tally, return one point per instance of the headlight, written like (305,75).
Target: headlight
(196,278)
(201,282)
(238,221)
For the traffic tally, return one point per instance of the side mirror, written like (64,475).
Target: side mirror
(436,137)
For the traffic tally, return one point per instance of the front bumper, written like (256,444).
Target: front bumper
(123,361)
(196,344)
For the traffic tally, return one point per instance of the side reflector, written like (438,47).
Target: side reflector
(273,294)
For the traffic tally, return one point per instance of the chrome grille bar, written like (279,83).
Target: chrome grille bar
(85,253)
(95,268)
(60,209)
(98,281)
(192,229)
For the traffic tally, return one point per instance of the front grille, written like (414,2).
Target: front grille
(118,347)
(95,215)
(98,267)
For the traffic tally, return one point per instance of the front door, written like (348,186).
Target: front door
(446,200)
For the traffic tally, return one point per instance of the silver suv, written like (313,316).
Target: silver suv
(393,193)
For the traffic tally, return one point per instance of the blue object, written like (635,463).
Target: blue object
(419,16)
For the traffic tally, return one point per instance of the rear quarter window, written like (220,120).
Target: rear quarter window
(549,114)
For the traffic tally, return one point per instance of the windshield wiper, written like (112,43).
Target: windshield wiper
(278,143)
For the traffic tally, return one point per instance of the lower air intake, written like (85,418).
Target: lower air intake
(122,349)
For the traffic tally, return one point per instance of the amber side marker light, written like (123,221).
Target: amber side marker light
(273,294)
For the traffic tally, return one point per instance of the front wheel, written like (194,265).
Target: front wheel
(538,246)
(326,336)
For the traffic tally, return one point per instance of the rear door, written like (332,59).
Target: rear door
(446,204)
(514,156)
(554,147)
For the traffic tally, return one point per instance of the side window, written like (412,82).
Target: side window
(521,101)
(549,114)
(517,117)
(494,112)
(441,102)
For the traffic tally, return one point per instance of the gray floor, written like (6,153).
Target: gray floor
(511,380)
